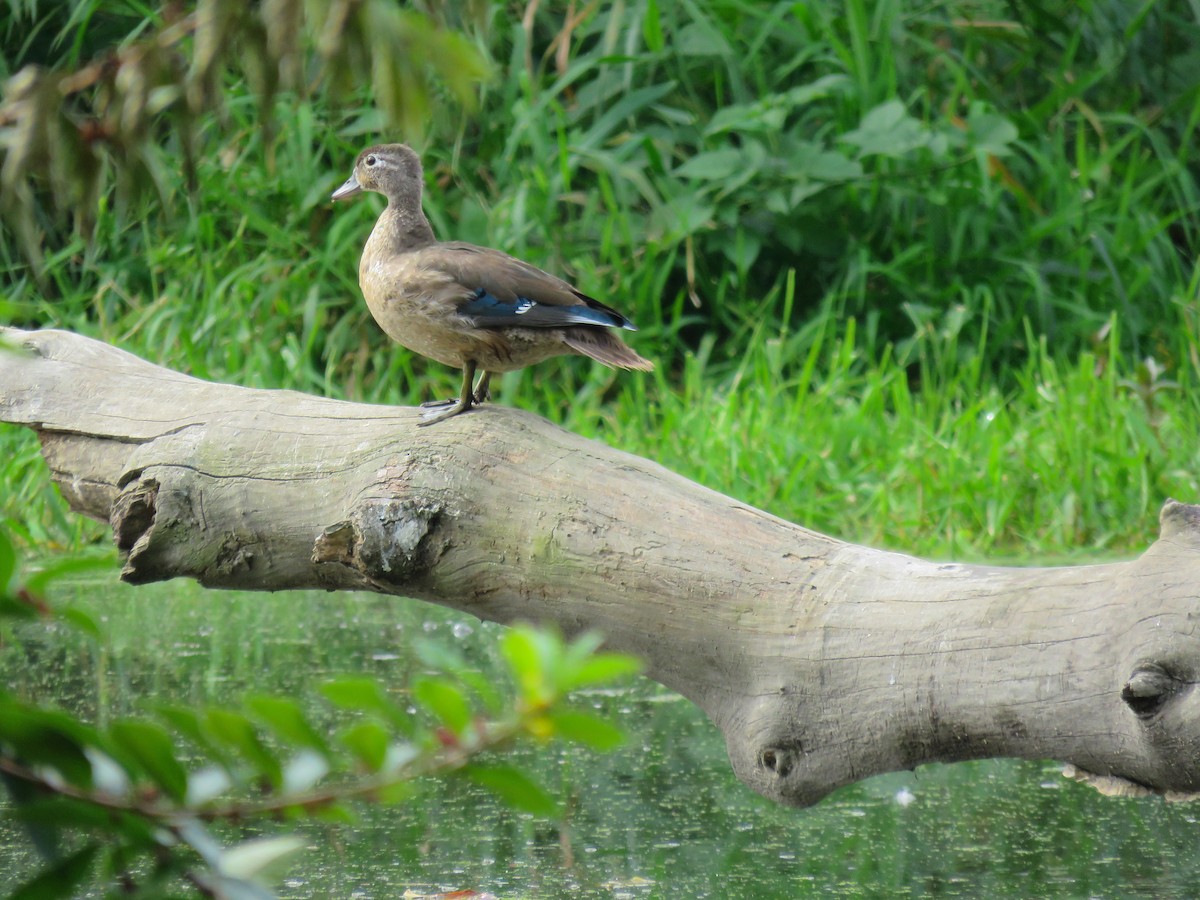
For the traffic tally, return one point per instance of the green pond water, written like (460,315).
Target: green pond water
(663,817)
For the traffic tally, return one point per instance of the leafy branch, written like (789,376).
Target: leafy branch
(64,131)
(148,792)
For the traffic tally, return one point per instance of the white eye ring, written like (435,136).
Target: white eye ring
(370,160)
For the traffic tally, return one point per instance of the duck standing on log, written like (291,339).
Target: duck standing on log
(463,305)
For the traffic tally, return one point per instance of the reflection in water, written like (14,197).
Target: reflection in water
(661,818)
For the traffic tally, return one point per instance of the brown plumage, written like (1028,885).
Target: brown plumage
(463,305)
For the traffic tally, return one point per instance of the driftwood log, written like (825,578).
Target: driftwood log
(821,662)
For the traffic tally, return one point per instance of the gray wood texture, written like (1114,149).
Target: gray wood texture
(821,662)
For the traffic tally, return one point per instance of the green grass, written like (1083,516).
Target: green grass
(900,270)
(1073,460)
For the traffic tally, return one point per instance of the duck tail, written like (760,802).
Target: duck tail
(605,347)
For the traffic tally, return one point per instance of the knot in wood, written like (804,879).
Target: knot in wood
(133,513)
(1149,688)
(386,540)
(778,760)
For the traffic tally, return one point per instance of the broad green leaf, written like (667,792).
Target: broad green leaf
(46,837)
(368,741)
(809,161)
(14,607)
(444,700)
(526,654)
(61,879)
(888,130)
(743,117)
(238,733)
(991,132)
(366,695)
(712,165)
(514,787)
(68,813)
(586,728)
(49,738)
(64,812)
(285,717)
(151,746)
(770,113)
(883,118)
(190,725)
(604,668)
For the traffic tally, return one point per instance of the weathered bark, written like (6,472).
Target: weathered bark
(820,661)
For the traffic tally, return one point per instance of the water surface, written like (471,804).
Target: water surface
(663,817)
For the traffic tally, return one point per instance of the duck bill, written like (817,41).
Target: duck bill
(348,189)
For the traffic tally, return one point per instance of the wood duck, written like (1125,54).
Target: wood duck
(467,306)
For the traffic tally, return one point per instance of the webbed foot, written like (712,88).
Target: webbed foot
(432,416)
(466,398)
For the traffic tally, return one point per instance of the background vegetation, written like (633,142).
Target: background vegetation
(935,263)
(915,274)
(922,275)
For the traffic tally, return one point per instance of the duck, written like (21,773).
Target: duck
(470,307)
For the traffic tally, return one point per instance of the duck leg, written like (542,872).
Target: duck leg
(435,404)
(466,398)
(481,394)
(482,391)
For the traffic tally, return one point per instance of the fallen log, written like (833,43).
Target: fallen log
(820,661)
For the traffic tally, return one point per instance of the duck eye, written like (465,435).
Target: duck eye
(371,160)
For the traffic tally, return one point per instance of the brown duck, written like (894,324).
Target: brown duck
(467,306)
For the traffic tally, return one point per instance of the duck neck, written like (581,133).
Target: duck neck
(399,228)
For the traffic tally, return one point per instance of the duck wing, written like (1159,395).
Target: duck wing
(505,292)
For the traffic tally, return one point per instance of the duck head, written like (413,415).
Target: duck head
(393,170)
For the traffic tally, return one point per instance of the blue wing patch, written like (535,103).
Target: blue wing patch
(488,311)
